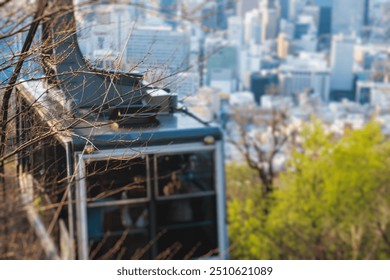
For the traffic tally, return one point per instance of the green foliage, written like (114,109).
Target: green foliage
(247,213)
(332,203)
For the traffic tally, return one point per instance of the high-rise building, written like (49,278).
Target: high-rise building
(270,11)
(308,72)
(295,8)
(284,8)
(283,46)
(366,12)
(221,14)
(244,6)
(325,24)
(342,59)
(152,47)
(348,16)
(210,16)
(169,11)
(253,27)
(222,65)
(235,30)
(262,23)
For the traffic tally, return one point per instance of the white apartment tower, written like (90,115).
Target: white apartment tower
(342,59)
(253,27)
(270,11)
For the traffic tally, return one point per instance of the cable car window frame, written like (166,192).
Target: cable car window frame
(145,199)
(149,152)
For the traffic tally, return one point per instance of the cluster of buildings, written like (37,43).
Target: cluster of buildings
(328,58)
(334,54)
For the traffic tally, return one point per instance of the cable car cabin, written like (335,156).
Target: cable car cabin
(133,176)
(132,192)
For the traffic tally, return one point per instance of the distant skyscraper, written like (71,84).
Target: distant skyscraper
(210,16)
(348,16)
(342,58)
(270,11)
(283,46)
(168,9)
(284,8)
(222,14)
(244,6)
(366,12)
(222,66)
(325,24)
(295,8)
(253,27)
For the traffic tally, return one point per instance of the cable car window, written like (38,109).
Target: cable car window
(113,180)
(185,174)
(124,225)
(186,205)
(189,224)
(117,208)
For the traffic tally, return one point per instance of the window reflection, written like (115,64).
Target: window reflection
(116,180)
(185,173)
(117,208)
